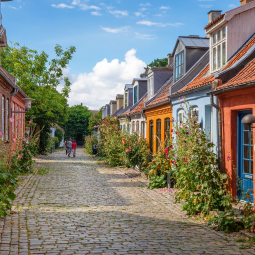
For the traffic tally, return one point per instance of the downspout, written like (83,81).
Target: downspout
(218,119)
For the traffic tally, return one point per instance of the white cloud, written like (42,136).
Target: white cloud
(107,79)
(118,13)
(146,4)
(232,6)
(62,6)
(206,5)
(115,30)
(150,23)
(96,13)
(164,8)
(13,7)
(145,37)
(89,7)
(139,14)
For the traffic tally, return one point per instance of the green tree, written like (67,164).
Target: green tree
(78,122)
(39,78)
(93,120)
(163,62)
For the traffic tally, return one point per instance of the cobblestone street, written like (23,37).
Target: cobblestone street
(79,206)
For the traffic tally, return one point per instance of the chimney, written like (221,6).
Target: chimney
(243,2)
(170,59)
(212,15)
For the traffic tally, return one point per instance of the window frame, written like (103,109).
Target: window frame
(159,133)
(178,77)
(126,100)
(135,94)
(167,123)
(178,116)
(137,127)
(218,47)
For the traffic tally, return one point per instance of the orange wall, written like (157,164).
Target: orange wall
(161,112)
(231,102)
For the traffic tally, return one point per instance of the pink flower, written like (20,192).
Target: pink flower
(130,148)
(182,97)
(38,146)
(206,161)
(171,146)
(228,158)
(14,140)
(1,133)
(127,151)
(29,137)
(94,117)
(20,156)
(180,122)
(123,141)
(10,119)
(26,141)
(30,121)
(185,159)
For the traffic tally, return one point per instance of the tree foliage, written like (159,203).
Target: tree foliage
(39,78)
(78,122)
(163,62)
(93,120)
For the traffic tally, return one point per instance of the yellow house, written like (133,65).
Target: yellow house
(158,113)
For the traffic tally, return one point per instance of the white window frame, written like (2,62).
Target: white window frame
(193,111)
(126,100)
(217,47)
(180,116)
(179,65)
(133,126)
(150,87)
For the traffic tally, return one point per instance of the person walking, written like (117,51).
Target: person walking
(69,147)
(74,145)
(66,146)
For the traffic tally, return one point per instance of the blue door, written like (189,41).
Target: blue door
(245,154)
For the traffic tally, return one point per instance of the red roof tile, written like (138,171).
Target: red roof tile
(247,74)
(162,96)
(215,20)
(139,107)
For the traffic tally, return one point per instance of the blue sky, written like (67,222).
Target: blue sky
(119,36)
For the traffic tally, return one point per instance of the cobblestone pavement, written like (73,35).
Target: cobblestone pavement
(78,206)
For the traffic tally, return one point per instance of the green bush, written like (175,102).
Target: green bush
(157,182)
(90,140)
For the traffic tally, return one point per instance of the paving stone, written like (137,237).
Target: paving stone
(81,206)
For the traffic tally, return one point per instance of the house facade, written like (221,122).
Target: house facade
(234,87)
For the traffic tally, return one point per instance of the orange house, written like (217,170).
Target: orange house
(158,113)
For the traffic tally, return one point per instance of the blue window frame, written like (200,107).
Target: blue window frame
(245,155)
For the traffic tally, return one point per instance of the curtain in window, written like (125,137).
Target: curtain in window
(158,134)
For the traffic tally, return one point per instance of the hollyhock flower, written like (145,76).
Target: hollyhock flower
(10,119)
(167,158)
(130,148)
(30,121)
(175,157)
(172,120)
(180,121)
(123,141)
(206,161)
(187,133)
(105,139)
(94,117)
(228,158)
(172,130)
(176,132)
(127,151)
(171,146)
(175,162)
(1,133)
(253,230)
(185,159)
(172,137)
(20,156)
(38,146)
(29,137)
(14,140)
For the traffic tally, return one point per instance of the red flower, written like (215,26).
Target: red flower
(127,151)
(176,132)
(228,158)
(105,139)
(187,133)
(185,160)
(171,146)
(172,130)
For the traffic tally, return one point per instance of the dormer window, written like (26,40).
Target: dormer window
(126,99)
(150,87)
(218,46)
(135,94)
(179,65)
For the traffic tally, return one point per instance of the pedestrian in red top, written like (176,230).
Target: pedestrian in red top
(74,145)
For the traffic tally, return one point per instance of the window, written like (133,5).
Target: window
(124,128)
(150,87)
(3,117)
(7,119)
(167,128)
(137,127)
(179,66)
(126,99)
(195,113)
(180,116)
(158,134)
(135,95)
(133,126)
(120,127)
(151,136)
(143,129)
(219,51)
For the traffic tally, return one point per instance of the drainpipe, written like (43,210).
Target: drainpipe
(218,118)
